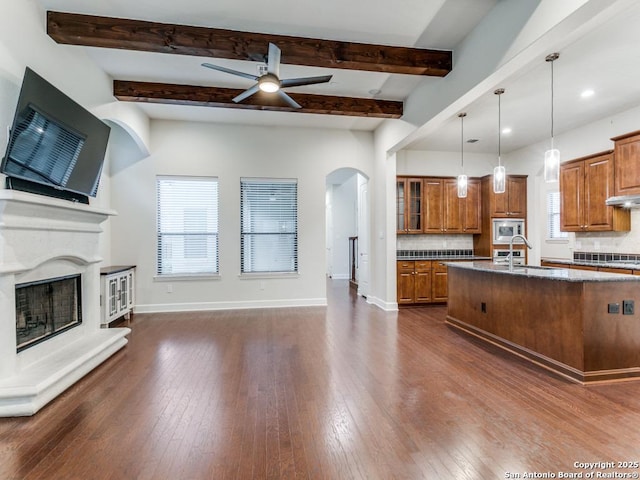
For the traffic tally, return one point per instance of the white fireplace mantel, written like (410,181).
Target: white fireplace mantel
(42,238)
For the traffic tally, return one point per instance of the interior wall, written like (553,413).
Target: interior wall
(24,42)
(231,152)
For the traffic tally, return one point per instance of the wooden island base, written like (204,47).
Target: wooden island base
(560,324)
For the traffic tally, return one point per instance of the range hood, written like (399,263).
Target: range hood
(627,201)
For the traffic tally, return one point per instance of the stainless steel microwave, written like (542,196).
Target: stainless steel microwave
(505,228)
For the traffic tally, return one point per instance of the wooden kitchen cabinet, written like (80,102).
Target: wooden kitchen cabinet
(547,263)
(627,164)
(511,203)
(445,212)
(422,281)
(472,208)
(413,281)
(439,279)
(585,185)
(434,205)
(409,205)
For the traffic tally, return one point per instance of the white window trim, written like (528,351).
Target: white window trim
(271,274)
(169,277)
(548,239)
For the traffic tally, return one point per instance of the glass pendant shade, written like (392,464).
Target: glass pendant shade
(499,179)
(462,186)
(552,165)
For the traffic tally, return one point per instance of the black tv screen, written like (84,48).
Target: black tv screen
(56,147)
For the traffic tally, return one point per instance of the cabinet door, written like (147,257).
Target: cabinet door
(517,196)
(434,208)
(627,165)
(423,282)
(439,282)
(472,208)
(406,282)
(598,186)
(401,205)
(452,207)
(499,202)
(113,296)
(123,293)
(414,205)
(130,279)
(571,197)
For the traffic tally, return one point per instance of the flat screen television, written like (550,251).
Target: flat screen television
(56,147)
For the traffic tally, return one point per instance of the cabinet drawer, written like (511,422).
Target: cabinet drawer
(405,264)
(439,267)
(422,266)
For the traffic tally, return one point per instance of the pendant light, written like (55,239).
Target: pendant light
(552,156)
(499,174)
(462,178)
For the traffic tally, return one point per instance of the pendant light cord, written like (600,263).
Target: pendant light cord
(499,129)
(552,102)
(462,115)
(551,58)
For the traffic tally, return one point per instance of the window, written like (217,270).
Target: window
(553,217)
(187,225)
(269,225)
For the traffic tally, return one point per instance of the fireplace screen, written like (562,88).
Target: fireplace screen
(46,308)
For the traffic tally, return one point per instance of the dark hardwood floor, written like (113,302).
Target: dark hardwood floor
(347,391)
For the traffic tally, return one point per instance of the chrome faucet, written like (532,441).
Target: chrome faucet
(526,242)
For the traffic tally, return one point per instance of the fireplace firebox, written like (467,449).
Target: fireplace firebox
(47,308)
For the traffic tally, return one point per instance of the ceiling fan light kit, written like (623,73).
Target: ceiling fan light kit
(269,83)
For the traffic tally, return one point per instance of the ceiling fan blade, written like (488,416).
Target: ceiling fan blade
(296,82)
(288,99)
(247,93)
(229,70)
(273,60)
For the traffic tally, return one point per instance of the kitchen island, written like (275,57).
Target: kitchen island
(563,320)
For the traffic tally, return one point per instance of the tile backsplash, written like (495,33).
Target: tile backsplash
(434,242)
(611,242)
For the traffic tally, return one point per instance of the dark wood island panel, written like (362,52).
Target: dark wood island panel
(560,324)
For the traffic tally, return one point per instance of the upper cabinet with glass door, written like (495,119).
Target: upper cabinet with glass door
(409,205)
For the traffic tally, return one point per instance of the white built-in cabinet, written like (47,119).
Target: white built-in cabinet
(117,294)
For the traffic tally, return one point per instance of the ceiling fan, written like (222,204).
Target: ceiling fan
(269,81)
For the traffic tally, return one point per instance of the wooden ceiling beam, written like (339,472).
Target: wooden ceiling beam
(108,32)
(222,97)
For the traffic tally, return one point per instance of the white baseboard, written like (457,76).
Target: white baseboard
(238,305)
(386,306)
(340,276)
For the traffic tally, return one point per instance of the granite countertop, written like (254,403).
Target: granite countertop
(550,273)
(617,264)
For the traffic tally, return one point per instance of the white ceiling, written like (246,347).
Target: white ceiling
(402,23)
(605,60)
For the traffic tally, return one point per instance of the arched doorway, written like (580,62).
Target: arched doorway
(347,227)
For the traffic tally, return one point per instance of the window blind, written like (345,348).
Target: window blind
(269,225)
(553,217)
(187,225)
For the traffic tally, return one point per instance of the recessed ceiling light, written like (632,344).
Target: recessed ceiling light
(506,130)
(587,93)
(375,91)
